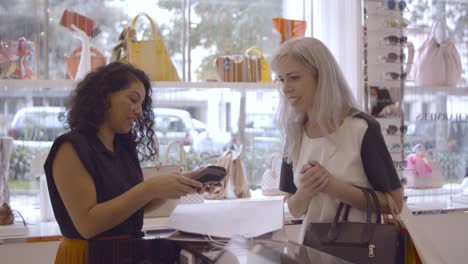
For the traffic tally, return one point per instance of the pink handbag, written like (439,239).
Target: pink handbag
(421,171)
(438,62)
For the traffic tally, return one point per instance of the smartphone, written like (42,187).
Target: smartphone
(210,175)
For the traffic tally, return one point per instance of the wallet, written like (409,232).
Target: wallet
(82,22)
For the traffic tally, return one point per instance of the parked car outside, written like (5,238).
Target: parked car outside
(173,125)
(177,124)
(209,141)
(33,130)
(36,123)
(261,133)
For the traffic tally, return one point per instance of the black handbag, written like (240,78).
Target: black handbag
(358,242)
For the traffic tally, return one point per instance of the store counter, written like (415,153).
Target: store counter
(238,250)
(38,243)
(437,225)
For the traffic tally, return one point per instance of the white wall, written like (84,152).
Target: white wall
(337,23)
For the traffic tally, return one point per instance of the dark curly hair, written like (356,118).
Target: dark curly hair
(87,105)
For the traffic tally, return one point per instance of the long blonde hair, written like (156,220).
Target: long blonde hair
(333,98)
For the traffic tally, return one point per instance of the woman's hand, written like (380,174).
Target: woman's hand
(173,186)
(206,188)
(315,178)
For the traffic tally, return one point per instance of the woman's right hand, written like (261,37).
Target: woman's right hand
(173,186)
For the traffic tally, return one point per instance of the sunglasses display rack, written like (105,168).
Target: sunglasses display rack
(383,48)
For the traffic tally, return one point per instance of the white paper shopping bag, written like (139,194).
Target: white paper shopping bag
(228,218)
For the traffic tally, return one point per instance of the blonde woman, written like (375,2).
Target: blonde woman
(330,144)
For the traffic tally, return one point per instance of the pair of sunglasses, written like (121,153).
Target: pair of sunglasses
(394,40)
(397,147)
(391,4)
(400,164)
(392,129)
(393,76)
(395,22)
(392,57)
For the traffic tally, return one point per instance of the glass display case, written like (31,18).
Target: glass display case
(429,117)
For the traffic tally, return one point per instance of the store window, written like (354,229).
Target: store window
(195,33)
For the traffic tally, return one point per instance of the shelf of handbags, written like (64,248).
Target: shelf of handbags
(57,87)
(384,76)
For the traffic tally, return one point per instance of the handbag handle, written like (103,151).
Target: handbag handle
(181,152)
(334,228)
(154,31)
(274,155)
(393,211)
(378,207)
(439,23)
(367,232)
(254,50)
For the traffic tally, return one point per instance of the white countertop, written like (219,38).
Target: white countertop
(45,231)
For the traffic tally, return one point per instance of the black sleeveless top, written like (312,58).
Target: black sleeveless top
(113,173)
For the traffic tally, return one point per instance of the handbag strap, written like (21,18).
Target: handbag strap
(154,31)
(274,156)
(393,210)
(255,50)
(182,157)
(378,207)
(334,228)
(442,25)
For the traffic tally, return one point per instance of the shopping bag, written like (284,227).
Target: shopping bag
(151,56)
(358,242)
(168,206)
(265,70)
(73,61)
(18,59)
(270,178)
(289,28)
(437,62)
(235,184)
(411,255)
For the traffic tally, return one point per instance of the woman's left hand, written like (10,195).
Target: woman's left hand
(313,170)
(209,188)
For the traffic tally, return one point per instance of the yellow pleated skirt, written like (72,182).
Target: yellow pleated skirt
(72,251)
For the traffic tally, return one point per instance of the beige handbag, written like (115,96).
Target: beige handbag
(151,56)
(270,179)
(235,184)
(170,204)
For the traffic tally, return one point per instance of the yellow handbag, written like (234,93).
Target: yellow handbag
(151,56)
(266,75)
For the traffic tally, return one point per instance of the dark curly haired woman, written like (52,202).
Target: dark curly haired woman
(93,172)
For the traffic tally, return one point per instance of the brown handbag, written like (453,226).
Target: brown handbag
(358,242)
(6,215)
(238,68)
